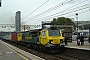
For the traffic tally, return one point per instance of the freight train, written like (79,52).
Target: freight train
(48,39)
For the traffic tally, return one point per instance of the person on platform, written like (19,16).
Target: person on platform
(78,39)
(65,39)
(82,40)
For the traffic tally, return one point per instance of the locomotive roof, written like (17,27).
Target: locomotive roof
(36,30)
(50,28)
(45,29)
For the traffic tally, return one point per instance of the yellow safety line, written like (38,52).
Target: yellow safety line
(16,52)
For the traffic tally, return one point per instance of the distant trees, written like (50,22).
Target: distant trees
(63,21)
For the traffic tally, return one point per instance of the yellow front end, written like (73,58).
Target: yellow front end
(55,40)
(45,38)
(19,36)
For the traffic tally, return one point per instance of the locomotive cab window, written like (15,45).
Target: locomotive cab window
(54,33)
(43,33)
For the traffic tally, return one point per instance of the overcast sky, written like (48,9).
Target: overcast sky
(10,7)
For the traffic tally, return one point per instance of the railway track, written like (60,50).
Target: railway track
(68,54)
(69,57)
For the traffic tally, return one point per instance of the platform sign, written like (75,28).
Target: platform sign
(0,3)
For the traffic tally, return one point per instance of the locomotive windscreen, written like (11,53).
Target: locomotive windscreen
(54,33)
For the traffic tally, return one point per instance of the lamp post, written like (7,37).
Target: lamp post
(77,22)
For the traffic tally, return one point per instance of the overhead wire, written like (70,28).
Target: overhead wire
(55,7)
(71,10)
(36,9)
(52,8)
(81,12)
(75,10)
(81,8)
(67,10)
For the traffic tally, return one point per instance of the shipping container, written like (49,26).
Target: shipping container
(9,37)
(6,37)
(14,37)
(3,37)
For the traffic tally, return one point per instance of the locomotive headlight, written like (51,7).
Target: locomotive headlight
(61,41)
(51,41)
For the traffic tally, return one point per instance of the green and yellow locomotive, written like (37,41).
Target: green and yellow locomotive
(49,39)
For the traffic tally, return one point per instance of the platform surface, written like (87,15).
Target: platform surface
(73,44)
(23,54)
(7,53)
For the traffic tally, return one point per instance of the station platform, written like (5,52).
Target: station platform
(73,44)
(9,52)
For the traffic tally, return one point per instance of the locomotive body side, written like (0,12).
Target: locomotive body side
(30,37)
